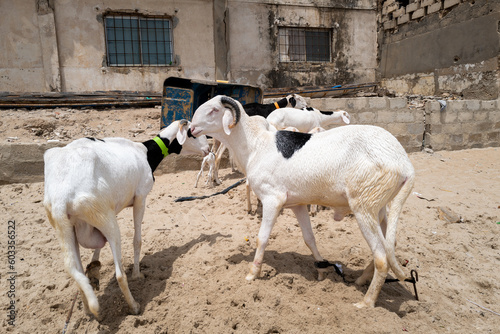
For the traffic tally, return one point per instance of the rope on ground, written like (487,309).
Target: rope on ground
(191,198)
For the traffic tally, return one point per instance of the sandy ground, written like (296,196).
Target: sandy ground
(195,254)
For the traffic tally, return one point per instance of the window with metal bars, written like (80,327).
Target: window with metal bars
(304,45)
(138,40)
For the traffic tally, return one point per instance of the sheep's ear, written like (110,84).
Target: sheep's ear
(345,117)
(182,134)
(227,120)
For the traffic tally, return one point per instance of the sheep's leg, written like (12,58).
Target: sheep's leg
(200,173)
(371,231)
(368,272)
(97,253)
(302,216)
(73,264)
(270,212)
(139,208)
(112,233)
(249,203)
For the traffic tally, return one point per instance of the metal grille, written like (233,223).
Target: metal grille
(138,41)
(304,45)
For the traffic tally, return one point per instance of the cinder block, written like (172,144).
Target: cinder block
(408,116)
(377,103)
(403,19)
(448,116)
(418,13)
(450,3)
(475,138)
(390,24)
(434,8)
(367,117)
(399,12)
(481,115)
(397,128)
(386,117)
(465,116)
(398,102)
(357,104)
(494,136)
(415,128)
(432,107)
(413,6)
(494,116)
(473,105)
(488,104)
(392,7)
(457,105)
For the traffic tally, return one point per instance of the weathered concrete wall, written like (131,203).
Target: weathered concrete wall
(432,47)
(60,44)
(462,124)
(21,163)
(254,50)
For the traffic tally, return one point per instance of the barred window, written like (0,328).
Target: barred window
(138,41)
(304,45)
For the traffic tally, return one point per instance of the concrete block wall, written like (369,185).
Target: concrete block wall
(394,14)
(462,124)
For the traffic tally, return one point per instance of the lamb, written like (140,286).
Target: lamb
(212,176)
(89,181)
(254,109)
(307,119)
(358,168)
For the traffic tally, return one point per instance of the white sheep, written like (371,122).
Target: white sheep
(212,176)
(306,119)
(261,109)
(358,168)
(89,181)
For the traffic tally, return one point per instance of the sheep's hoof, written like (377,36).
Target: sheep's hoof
(322,274)
(363,304)
(135,308)
(250,277)
(137,276)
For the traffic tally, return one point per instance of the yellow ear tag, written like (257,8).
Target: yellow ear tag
(276,105)
(164,149)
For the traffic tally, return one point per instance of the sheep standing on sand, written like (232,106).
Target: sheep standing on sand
(89,181)
(358,168)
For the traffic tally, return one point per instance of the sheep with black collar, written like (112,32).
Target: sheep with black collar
(264,109)
(358,168)
(89,181)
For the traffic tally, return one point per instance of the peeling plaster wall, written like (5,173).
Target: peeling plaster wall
(432,47)
(254,42)
(59,45)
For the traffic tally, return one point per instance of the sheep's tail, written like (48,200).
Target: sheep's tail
(395,209)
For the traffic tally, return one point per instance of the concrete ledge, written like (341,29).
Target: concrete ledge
(23,163)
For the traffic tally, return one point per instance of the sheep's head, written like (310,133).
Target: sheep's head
(218,113)
(296,101)
(181,131)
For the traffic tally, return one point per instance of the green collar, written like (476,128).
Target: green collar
(160,143)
